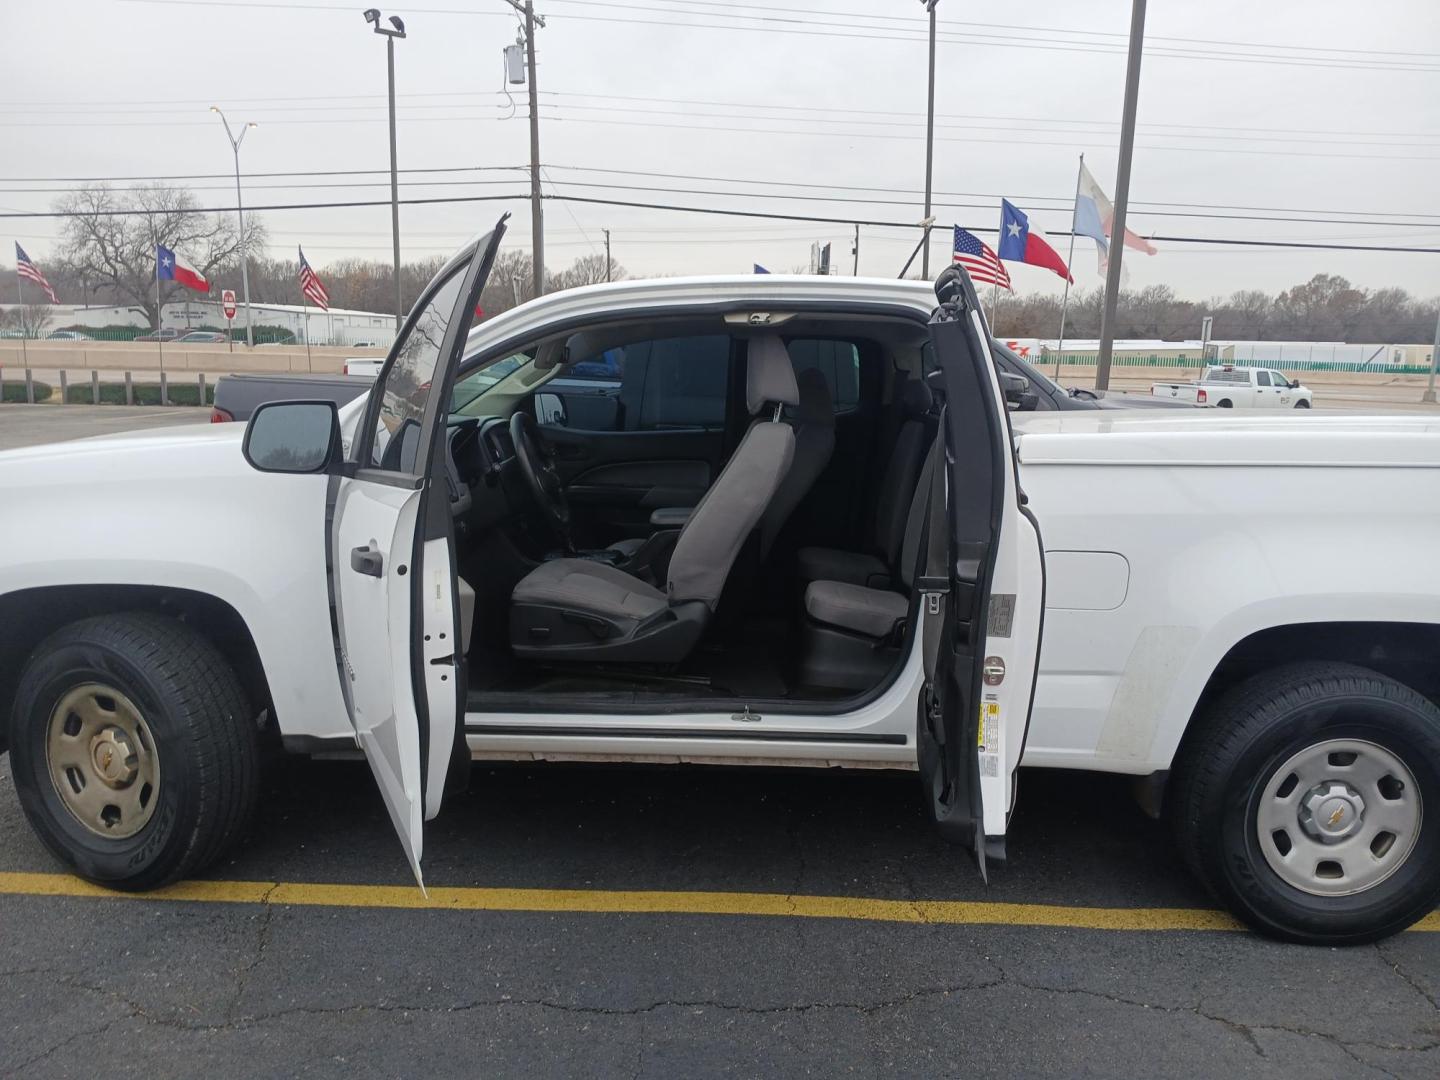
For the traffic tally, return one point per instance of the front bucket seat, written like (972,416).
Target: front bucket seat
(576,609)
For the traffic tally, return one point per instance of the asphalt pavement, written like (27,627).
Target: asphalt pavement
(31,425)
(800,937)
(173,987)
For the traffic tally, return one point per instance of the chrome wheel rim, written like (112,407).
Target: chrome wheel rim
(102,761)
(1339,817)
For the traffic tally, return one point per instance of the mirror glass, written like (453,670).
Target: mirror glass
(291,436)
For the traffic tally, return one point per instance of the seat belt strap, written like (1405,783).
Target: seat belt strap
(933,581)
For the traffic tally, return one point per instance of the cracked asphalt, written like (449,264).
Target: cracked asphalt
(170,988)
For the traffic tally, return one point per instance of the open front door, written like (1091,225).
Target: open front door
(983,582)
(392,576)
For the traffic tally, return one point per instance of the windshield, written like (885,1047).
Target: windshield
(474,385)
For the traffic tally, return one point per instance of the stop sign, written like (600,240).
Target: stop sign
(227,301)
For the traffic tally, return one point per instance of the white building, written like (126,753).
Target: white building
(338,326)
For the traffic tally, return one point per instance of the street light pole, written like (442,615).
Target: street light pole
(929,139)
(240,212)
(395,30)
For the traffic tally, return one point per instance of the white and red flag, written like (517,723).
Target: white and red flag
(171,267)
(27,269)
(311,285)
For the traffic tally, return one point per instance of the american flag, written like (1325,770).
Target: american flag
(311,286)
(27,269)
(982,264)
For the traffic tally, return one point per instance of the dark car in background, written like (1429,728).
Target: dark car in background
(165,333)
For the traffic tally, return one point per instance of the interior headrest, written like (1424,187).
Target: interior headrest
(769,378)
(915,397)
(816,406)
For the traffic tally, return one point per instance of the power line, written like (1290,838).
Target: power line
(811,193)
(1028,41)
(764,215)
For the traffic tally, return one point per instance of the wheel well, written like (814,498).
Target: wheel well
(28,616)
(1406,652)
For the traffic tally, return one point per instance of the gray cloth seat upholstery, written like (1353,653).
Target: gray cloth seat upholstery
(851,637)
(814,426)
(877,566)
(872,612)
(579,609)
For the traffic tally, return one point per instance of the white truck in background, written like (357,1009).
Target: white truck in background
(1225,386)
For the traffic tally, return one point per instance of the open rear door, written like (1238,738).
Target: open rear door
(983,585)
(392,576)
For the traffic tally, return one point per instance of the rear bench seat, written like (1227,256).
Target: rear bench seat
(853,633)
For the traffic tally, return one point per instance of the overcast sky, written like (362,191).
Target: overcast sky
(1342,113)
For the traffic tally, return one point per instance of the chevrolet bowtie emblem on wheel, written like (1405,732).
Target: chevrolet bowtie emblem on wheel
(1336,817)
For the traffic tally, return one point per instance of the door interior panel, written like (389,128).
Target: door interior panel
(614,479)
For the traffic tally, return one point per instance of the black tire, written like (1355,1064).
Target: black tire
(1226,404)
(1236,747)
(1302,404)
(205,742)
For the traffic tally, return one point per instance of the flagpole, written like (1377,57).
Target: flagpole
(305,304)
(20,291)
(1070,264)
(159,315)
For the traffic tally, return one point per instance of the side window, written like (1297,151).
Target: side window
(405,389)
(837,361)
(1262,378)
(662,384)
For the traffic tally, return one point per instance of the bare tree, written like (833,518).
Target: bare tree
(587,270)
(110,238)
(32,318)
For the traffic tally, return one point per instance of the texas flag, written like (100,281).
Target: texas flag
(1019,242)
(171,267)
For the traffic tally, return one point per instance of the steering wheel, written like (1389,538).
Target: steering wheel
(540,473)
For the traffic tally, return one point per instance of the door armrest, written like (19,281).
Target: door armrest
(671,517)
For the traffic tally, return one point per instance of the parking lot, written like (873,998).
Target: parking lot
(526,963)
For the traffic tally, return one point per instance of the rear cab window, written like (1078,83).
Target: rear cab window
(661,384)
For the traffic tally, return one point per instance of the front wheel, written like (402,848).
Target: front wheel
(1308,801)
(134,749)
(1302,404)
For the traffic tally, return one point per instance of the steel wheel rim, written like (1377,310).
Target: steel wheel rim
(1339,817)
(102,761)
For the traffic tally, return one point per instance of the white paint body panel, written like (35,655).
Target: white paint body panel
(1226,525)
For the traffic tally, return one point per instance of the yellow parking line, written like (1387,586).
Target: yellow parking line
(596,901)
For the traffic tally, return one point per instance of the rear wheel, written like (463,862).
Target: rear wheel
(134,749)
(1308,801)
(1226,404)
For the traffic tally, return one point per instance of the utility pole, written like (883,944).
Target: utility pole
(537,216)
(397,30)
(929,141)
(1122,194)
(1434,362)
(607,253)
(244,246)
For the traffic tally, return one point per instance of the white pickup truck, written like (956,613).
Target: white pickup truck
(808,533)
(1225,386)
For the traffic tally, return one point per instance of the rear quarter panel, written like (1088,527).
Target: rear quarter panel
(1214,554)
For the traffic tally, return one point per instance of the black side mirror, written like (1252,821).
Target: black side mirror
(292,436)
(550,409)
(1018,394)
